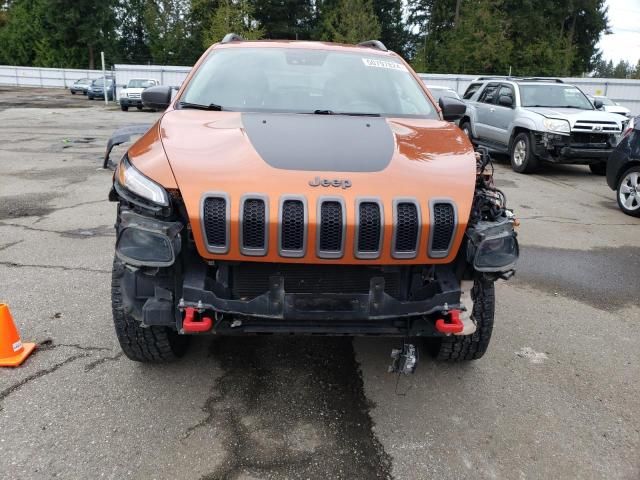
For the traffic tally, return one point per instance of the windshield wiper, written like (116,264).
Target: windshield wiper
(351,114)
(198,106)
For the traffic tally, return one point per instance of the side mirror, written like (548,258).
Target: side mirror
(505,101)
(452,108)
(598,104)
(157,98)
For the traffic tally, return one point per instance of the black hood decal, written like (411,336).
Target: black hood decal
(321,142)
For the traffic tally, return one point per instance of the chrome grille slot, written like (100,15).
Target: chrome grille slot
(443,225)
(253,226)
(368,228)
(331,230)
(215,223)
(293,227)
(406,233)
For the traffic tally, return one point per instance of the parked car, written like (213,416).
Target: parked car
(80,86)
(623,170)
(535,119)
(263,203)
(439,91)
(609,105)
(96,89)
(131,94)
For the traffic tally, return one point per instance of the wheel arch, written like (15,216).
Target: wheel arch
(625,167)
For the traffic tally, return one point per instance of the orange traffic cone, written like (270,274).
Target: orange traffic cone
(12,351)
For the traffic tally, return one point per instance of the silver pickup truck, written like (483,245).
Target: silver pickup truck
(535,119)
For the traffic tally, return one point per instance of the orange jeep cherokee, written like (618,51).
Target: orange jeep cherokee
(306,188)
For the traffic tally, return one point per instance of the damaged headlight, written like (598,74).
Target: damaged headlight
(556,125)
(144,241)
(493,246)
(132,180)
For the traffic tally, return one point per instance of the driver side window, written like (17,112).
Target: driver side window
(489,94)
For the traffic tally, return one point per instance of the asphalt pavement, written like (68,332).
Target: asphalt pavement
(556,396)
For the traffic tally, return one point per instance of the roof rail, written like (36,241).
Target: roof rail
(377,44)
(540,79)
(232,37)
(520,79)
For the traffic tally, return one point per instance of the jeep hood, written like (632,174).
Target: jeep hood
(573,115)
(283,154)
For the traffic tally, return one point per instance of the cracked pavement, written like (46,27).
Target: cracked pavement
(555,397)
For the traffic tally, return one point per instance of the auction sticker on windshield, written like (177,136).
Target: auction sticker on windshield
(374,62)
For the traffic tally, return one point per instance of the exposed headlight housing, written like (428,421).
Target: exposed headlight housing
(556,125)
(148,242)
(132,180)
(493,246)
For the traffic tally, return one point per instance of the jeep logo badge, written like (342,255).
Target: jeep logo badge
(327,182)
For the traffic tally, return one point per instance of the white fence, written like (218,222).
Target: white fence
(625,92)
(43,77)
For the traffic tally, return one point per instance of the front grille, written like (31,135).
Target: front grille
(331,227)
(369,228)
(600,125)
(442,227)
(253,225)
(250,280)
(407,228)
(134,95)
(292,226)
(215,222)
(586,140)
(253,228)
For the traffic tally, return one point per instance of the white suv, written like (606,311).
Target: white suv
(131,95)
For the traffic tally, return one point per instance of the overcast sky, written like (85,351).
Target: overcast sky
(624,41)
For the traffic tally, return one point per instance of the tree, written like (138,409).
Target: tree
(168,33)
(349,21)
(233,16)
(393,30)
(133,39)
(285,19)
(465,37)
(623,69)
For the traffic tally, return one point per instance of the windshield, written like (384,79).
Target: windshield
(560,96)
(307,81)
(99,82)
(605,100)
(139,83)
(438,92)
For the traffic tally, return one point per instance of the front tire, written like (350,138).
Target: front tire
(152,344)
(72,92)
(599,168)
(124,108)
(461,348)
(628,192)
(523,160)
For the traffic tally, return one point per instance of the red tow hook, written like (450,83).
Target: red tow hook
(190,325)
(454,326)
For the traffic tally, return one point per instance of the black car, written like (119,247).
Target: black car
(96,90)
(623,169)
(80,86)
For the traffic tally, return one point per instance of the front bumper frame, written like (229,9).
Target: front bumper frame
(277,304)
(558,148)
